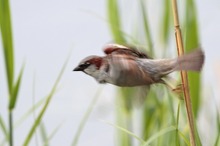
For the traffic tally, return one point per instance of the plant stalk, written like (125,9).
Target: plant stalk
(10,128)
(184,76)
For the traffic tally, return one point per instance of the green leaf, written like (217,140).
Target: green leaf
(158,134)
(6,32)
(198,140)
(53,133)
(16,87)
(43,110)
(126,131)
(177,124)
(184,137)
(192,42)
(43,134)
(148,114)
(146,28)
(29,112)
(114,21)
(171,106)
(3,127)
(126,98)
(166,22)
(124,114)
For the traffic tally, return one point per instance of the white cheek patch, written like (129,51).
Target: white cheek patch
(100,75)
(92,71)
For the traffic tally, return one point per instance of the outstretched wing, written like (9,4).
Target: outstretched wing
(123,50)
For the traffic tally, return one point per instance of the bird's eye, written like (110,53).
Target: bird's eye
(84,65)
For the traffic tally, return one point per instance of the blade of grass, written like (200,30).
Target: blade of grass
(166,22)
(198,140)
(124,114)
(162,116)
(43,134)
(85,117)
(38,119)
(29,112)
(42,112)
(177,124)
(151,139)
(126,131)
(114,21)
(191,26)
(184,137)
(115,27)
(16,87)
(149,116)
(171,106)
(6,32)
(154,113)
(147,28)
(192,42)
(158,134)
(4,129)
(53,133)
(33,103)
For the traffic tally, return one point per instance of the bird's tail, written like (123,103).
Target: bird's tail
(192,61)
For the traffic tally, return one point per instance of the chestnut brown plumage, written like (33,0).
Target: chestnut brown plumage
(126,67)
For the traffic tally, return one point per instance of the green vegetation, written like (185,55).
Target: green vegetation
(160,116)
(161,109)
(14,84)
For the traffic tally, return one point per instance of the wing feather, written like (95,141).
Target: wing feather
(123,50)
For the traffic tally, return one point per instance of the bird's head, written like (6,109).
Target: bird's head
(90,65)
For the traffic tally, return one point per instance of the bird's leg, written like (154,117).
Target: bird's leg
(177,90)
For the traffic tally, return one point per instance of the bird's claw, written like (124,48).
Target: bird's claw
(179,90)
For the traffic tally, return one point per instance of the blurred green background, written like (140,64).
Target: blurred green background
(42,102)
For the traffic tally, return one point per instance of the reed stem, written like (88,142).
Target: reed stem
(184,76)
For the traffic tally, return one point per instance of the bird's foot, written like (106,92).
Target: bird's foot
(179,91)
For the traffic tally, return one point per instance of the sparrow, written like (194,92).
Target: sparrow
(128,67)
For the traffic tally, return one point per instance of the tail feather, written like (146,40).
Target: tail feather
(193,61)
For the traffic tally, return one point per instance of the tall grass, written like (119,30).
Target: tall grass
(161,117)
(184,75)
(14,83)
(161,108)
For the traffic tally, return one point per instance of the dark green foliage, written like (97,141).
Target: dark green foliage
(191,43)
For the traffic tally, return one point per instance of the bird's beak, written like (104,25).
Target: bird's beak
(77,69)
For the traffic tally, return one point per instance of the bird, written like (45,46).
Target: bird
(126,66)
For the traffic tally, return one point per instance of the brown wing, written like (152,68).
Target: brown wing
(123,50)
(130,74)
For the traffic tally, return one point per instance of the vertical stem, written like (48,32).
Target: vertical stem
(184,75)
(10,128)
